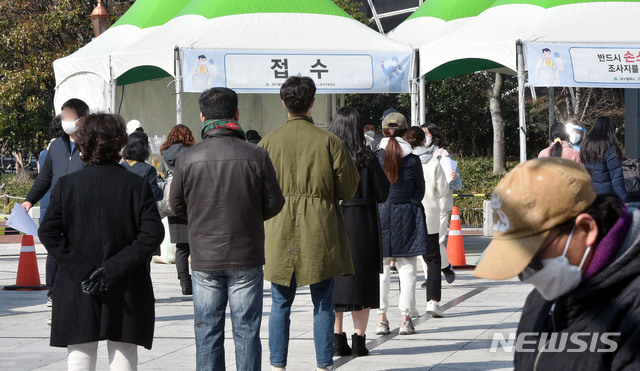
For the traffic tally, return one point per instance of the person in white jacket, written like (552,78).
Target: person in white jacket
(436,188)
(435,144)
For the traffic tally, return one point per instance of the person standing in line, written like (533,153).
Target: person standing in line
(62,158)
(601,154)
(307,244)
(436,187)
(436,143)
(135,153)
(180,138)
(226,188)
(576,131)
(560,147)
(361,292)
(102,226)
(402,221)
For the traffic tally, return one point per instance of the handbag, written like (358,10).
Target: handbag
(163,205)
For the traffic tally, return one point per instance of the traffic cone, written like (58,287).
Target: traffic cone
(28,275)
(455,245)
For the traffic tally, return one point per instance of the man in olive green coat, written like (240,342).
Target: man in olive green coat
(306,244)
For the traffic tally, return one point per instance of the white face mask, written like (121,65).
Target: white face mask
(427,142)
(70,127)
(557,277)
(370,133)
(574,138)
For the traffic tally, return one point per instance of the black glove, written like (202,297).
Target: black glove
(97,284)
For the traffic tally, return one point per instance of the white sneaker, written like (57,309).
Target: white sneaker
(273,368)
(49,302)
(382,328)
(406,328)
(328,368)
(433,308)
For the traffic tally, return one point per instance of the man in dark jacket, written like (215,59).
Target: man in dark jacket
(581,252)
(63,158)
(226,188)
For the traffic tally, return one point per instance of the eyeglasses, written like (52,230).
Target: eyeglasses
(536,263)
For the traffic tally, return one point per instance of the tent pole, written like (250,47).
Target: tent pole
(414,99)
(178,67)
(112,89)
(341,100)
(334,109)
(521,105)
(423,101)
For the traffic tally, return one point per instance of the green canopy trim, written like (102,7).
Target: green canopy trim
(460,67)
(149,13)
(142,73)
(214,9)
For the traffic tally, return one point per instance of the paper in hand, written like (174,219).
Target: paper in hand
(449,166)
(21,221)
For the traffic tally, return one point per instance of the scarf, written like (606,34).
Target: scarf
(609,246)
(230,124)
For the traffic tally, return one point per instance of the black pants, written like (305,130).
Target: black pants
(51,269)
(182,262)
(433,260)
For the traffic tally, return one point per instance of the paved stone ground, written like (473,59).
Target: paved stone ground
(474,310)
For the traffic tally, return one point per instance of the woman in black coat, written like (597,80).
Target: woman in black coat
(102,226)
(360,292)
(180,138)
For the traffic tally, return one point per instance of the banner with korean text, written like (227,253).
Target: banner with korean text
(612,66)
(265,72)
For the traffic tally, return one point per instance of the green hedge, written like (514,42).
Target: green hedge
(15,189)
(477,177)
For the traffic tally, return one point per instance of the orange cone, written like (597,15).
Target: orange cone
(455,245)
(28,275)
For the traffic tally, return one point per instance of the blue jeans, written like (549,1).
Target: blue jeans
(323,318)
(211,289)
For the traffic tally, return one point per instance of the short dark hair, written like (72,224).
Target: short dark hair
(218,103)
(55,127)
(81,108)
(100,138)
(137,148)
(546,50)
(298,93)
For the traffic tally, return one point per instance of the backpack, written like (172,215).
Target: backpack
(631,174)
(163,205)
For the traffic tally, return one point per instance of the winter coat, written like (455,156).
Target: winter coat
(446,202)
(607,175)
(102,216)
(148,172)
(363,228)
(436,187)
(567,152)
(607,302)
(226,188)
(315,171)
(59,162)
(402,220)
(178,232)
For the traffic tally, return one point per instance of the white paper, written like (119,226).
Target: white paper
(449,166)
(21,221)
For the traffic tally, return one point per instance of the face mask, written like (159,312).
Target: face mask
(427,143)
(70,127)
(557,277)
(370,133)
(574,138)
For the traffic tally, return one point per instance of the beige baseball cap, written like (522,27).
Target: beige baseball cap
(395,118)
(529,201)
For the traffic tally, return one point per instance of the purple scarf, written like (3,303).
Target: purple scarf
(608,248)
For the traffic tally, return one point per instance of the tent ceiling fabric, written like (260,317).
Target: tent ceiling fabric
(450,37)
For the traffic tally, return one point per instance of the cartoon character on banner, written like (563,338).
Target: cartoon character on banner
(202,74)
(395,74)
(548,68)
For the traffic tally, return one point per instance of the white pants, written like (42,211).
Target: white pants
(444,229)
(122,356)
(407,274)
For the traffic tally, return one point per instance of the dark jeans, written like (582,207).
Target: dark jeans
(51,269)
(182,262)
(432,258)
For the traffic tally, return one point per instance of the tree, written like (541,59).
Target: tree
(34,33)
(495,95)
(354,9)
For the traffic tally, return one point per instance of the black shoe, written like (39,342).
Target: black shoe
(358,342)
(340,346)
(424,284)
(449,274)
(393,269)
